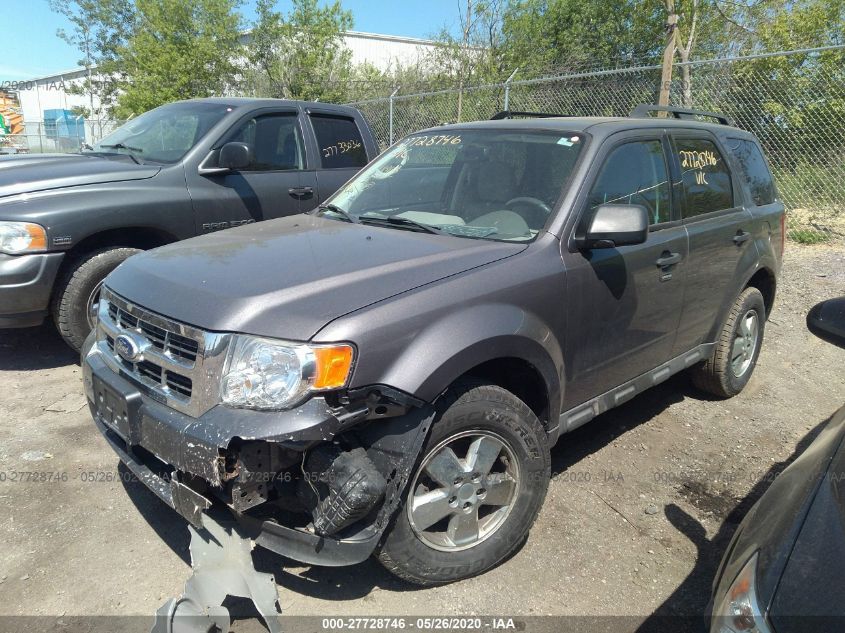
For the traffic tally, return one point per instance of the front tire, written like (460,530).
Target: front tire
(476,492)
(77,293)
(734,357)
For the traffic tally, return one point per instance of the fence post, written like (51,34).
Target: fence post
(508,88)
(390,121)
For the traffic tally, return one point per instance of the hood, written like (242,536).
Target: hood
(29,173)
(288,278)
(812,580)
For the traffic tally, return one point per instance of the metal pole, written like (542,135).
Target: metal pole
(508,88)
(390,133)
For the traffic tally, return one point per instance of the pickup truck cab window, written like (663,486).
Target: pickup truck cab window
(276,141)
(635,173)
(705,177)
(339,141)
(485,184)
(165,134)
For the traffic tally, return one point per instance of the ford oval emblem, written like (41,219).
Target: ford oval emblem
(130,347)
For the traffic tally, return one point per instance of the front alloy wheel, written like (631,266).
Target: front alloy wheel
(457,502)
(480,483)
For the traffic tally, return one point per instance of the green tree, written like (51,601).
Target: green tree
(98,29)
(180,49)
(300,55)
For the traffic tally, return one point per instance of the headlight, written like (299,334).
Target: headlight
(22,237)
(739,611)
(269,374)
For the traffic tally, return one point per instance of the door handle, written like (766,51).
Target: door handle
(741,236)
(301,192)
(668,259)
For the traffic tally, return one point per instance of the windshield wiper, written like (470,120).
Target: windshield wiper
(122,146)
(397,221)
(341,212)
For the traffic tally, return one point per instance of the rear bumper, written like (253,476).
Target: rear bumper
(26,283)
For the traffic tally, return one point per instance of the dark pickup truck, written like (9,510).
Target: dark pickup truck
(389,372)
(181,170)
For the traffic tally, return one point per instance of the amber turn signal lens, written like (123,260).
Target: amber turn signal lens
(38,235)
(333,366)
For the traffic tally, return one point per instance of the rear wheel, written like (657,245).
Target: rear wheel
(475,494)
(734,357)
(77,294)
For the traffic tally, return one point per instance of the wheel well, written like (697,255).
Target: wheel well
(764,281)
(519,377)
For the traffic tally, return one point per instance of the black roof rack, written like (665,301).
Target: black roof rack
(643,110)
(509,114)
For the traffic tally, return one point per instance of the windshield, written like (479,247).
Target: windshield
(164,135)
(490,184)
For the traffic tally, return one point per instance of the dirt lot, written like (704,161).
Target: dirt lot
(640,507)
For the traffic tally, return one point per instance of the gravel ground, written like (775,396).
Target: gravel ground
(641,505)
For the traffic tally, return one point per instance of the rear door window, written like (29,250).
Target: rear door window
(755,171)
(339,141)
(705,177)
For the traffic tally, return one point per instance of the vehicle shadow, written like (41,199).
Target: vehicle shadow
(604,429)
(34,348)
(685,608)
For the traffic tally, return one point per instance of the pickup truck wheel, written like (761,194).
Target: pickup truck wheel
(476,492)
(729,369)
(77,293)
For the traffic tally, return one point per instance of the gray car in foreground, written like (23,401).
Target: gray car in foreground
(388,373)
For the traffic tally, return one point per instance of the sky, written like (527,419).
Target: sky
(30,47)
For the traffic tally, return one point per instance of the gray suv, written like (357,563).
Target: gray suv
(389,372)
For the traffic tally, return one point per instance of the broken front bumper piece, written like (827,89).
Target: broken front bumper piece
(221,558)
(189,462)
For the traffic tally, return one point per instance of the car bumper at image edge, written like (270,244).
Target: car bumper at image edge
(26,282)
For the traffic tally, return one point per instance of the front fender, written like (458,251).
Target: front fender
(454,345)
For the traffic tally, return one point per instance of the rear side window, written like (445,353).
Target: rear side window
(755,171)
(634,173)
(339,141)
(705,177)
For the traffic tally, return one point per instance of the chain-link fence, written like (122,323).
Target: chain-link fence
(44,137)
(793,101)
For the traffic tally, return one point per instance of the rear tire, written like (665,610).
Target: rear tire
(488,498)
(77,292)
(734,357)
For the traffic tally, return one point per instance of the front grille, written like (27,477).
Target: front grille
(174,356)
(170,343)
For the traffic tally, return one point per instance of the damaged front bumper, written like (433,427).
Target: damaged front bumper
(243,459)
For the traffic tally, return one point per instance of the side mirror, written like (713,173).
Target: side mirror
(617,225)
(827,321)
(235,156)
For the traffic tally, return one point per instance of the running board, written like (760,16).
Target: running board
(583,413)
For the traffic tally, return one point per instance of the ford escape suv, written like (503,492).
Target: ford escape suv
(388,373)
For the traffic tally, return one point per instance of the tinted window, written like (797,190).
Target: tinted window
(706,180)
(755,171)
(635,173)
(276,142)
(339,141)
